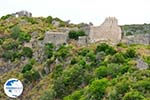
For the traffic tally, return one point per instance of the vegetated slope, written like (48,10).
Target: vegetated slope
(96,72)
(136,29)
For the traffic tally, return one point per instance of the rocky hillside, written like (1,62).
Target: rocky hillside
(69,72)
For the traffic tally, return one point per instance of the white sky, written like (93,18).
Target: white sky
(95,11)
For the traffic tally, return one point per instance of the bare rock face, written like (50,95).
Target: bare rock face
(141,64)
(108,31)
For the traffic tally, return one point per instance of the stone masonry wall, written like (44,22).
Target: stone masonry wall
(56,38)
(109,31)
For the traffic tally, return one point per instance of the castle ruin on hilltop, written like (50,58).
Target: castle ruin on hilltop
(22,13)
(107,31)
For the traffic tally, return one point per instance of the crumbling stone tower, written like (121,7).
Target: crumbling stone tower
(107,31)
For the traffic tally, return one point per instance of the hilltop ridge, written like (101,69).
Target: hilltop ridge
(59,60)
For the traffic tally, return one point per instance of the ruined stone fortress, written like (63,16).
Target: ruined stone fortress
(109,31)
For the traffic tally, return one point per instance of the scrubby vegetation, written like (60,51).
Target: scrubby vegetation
(97,72)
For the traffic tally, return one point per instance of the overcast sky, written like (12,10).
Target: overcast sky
(95,11)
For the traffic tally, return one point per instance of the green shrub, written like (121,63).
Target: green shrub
(75,34)
(133,95)
(10,55)
(31,20)
(24,37)
(118,58)
(49,19)
(74,96)
(101,72)
(10,45)
(15,32)
(26,68)
(6,17)
(27,52)
(48,49)
(103,47)
(31,75)
(97,89)
(130,53)
(48,95)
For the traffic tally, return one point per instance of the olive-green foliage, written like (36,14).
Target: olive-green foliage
(20,35)
(111,70)
(97,89)
(147,60)
(24,37)
(15,32)
(26,68)
(103,47)
(27,52)
(75,34)
(133,95)
(75,96)
(6,17)
(31,20)
(10,55)
(57,72)
(48,49)
(130,53)
(48,95)
(49,19)
(11,45)
(1,41)
(63,51)
(118,58)
(31,75)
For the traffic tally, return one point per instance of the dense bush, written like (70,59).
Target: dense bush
(48,50)
(31,20)
(6,17)
(75,34)
(17,33)
(97,89)
(118,58)
(31,75)
(130,53)
(75,96)
(103,47)
(133,95)
(26,68)
(49,19)
(27,52)
(10,55)
(10,45)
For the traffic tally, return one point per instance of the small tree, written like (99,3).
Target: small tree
(27,52)
(49,19)
(26,68)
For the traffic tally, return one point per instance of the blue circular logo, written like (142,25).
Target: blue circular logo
(13,88)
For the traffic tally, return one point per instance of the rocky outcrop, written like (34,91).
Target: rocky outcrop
(141,64)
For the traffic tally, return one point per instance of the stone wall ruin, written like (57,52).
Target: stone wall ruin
(57,38)
(108,31)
